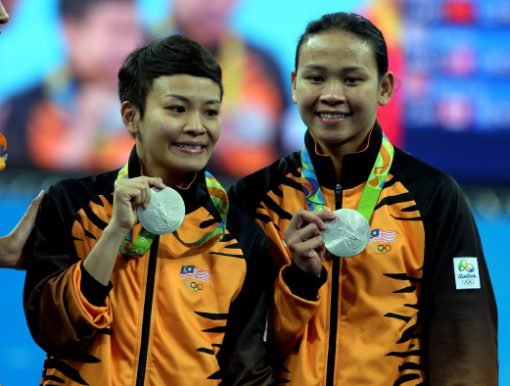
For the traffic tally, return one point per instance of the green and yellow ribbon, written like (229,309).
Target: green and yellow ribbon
(371,191)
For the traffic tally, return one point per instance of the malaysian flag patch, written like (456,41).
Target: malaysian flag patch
(188,271)
(382,236)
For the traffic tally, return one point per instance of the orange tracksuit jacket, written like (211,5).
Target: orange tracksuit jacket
(394,314)
(176,316)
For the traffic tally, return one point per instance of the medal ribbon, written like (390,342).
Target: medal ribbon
(371,191)
(219,199)
(144,239)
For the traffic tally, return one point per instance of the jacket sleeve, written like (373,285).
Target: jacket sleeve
(296,301)
(245,356)
(460,325)
(295,298)
(60,317)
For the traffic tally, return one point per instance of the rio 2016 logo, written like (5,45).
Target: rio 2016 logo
(465,266)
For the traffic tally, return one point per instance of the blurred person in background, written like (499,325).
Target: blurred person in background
(69,121)
(11,246)
(254,88)
(386,14)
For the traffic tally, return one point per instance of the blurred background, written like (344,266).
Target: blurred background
(59,107)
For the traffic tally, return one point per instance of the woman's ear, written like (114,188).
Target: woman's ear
(293,82)
(386,87)
(130,117)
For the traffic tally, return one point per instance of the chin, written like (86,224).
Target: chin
(333,139)
(192,167)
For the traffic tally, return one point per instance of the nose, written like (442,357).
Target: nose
(4,16)
(195,126)
(333,92)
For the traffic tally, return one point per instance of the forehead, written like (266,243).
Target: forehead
(189,86)
(105,9)
(194,6)
(337,47)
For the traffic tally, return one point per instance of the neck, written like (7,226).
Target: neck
(186,183)
(181,181)
(337,151)
(177,180)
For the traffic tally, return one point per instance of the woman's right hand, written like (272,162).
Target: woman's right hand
(11,246)
(129,194)
(304,240)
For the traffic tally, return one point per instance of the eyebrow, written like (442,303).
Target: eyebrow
(186,100)
(346,69)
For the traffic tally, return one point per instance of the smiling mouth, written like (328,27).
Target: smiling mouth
(190,147)
(333,115)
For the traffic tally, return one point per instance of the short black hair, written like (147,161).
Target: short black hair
(355,24)
(173,55)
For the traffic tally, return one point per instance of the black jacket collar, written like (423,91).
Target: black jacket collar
(356,167)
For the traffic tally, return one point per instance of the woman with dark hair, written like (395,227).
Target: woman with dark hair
(392,287)
(179,298)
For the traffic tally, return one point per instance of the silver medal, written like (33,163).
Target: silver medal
(165,212)
(348,234)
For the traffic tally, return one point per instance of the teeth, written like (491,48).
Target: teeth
(194,147)
(332,115)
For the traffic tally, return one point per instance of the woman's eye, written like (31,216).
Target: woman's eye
(176,109)
(315,78)
(351,80)
(212,112)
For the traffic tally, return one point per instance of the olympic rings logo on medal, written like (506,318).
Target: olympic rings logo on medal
(193,285)
(380,248)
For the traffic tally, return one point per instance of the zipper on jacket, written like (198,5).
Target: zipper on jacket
(338,196)
(147,311)
(333,313)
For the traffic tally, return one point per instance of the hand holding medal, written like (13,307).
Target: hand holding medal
(304,239)
(165,212)
(162,214)
(348,234)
